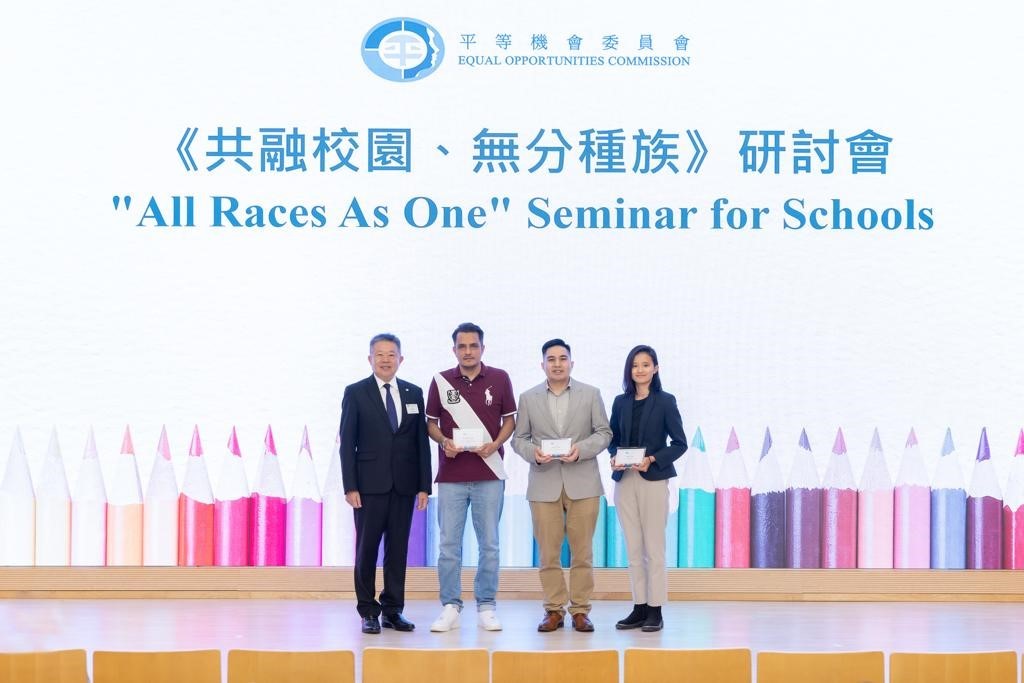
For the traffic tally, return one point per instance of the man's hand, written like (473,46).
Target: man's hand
(541,457)
(421,501)
(352,498)
(644,464)
(486,450)
(617,467)
(450,449)
(573,455)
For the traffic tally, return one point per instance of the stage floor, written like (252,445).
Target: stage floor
(332,624)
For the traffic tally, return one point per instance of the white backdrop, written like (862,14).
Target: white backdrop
(103,323)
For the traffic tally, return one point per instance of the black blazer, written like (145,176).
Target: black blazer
(373,458)
(659,421)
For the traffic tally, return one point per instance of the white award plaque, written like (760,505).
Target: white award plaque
(556,448)
(630,457)
(468,439)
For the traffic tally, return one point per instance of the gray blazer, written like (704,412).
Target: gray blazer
(586,424)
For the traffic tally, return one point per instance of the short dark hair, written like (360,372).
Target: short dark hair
(386,337)
(468,328)
(554,342)
(628,385)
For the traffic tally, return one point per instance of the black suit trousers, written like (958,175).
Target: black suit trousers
(387,516)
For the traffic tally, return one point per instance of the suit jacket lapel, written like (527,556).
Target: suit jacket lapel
(549,425)
(375,398)
(574,405)
(626,420)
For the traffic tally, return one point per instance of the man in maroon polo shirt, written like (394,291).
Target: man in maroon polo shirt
(470,414)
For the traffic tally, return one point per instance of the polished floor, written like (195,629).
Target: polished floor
(329,624)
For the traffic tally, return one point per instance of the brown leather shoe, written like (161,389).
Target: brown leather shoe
(550,622)
(581,622)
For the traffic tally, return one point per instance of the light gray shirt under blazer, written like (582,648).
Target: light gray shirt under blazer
(586,423)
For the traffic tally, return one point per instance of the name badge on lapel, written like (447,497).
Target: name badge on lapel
(412,409)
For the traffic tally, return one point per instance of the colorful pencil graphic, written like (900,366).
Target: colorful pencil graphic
(696,508)
(53,510)
(1013,511)
(195,510)
(304,531)
(839,511)
(339,531)
(768,510)
(875,510)
(89,511)
(912,513)
(803,510)
(269,509)
(124,509)
(160,512)
(984,513)
(17,509)
(732,509)
(949,511)
(232,529)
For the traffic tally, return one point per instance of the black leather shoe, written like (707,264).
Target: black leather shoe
(397,622)
(371,625)
(653,621)
(635,619)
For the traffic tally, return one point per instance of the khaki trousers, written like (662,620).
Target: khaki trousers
(552,522)
(642,508)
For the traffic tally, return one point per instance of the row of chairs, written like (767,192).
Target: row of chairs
(479,666)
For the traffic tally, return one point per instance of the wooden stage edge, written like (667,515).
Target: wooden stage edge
(335,583)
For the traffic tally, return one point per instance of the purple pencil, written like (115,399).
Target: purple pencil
(984,513)
(803,510)
(768,510)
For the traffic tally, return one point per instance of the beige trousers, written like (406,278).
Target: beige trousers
(642,508)
(552,522)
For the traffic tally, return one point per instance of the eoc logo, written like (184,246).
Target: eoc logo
(403,49)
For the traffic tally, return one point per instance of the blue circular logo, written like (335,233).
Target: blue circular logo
(403,49)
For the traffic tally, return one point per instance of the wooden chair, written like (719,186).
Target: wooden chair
(59,666)
(820,667)
(686,666)
(193,666)
(960,667)
(261,666)
(399,664)
(554,666)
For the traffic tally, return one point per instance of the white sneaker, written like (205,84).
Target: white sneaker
(489,620)
(448,620)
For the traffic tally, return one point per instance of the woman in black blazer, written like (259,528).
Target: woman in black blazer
(645,417)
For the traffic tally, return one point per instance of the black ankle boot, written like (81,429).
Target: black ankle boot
(653,621)
(635,619)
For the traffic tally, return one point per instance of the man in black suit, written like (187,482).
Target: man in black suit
(385,466)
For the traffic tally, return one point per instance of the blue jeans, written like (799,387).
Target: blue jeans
(485,498)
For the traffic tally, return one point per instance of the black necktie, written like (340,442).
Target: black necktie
(389,404)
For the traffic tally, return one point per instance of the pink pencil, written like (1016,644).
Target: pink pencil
(732,509)
(912,503)
(305,510)
(89,511)
(231,526)
(874,511)
(17,509)
(1013,511)
(160,512)
(839,511)
(268,509)
(195,510)
(53,510)
(124,509)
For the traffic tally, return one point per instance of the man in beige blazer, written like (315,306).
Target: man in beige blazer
(564,492)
